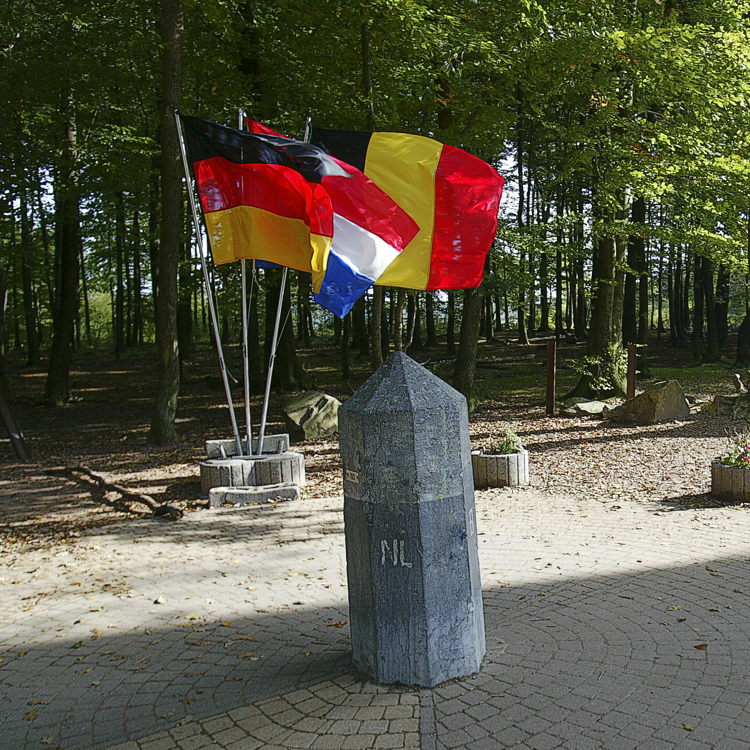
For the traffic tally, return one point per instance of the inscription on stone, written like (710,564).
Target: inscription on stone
(395,553)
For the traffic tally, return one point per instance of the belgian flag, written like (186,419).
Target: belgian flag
(452,195)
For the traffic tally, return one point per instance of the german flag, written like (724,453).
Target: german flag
(452,195)
(262,196)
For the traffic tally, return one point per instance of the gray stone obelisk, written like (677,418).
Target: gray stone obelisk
(415,596)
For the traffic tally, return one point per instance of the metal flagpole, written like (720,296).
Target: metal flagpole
(271,361)
(274,339)
(209,295)
(245,359)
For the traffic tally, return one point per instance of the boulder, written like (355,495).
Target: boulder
(313,414)
(665,403)
(582,407)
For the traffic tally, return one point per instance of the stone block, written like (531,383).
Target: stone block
(313,414)
(665,403)
(415,599)
(218,496)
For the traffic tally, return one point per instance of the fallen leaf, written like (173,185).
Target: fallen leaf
(22,653)
(31,715)
(226,624)
(77,645)
(701,646)
(687,727)
(673,607)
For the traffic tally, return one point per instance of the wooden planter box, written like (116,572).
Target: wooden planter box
(508,470)
(730,482)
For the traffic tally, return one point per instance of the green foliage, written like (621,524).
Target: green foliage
(508,442)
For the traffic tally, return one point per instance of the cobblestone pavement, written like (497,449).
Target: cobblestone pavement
(608,626)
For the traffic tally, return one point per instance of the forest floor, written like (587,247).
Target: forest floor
(106,426)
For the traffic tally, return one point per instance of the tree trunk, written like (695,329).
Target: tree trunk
(429,315)
(304,316)
(3,332)
(289,373)
(119,286)
(722,305)
(629,318)
(337,330)
(376,323)
(641,267)
(137,283)
(466,360)
(523,335)
(346,335)
(660,293)
(29,309)
(685,317)
(698,308)
(742,360)
(604,336)
(450,338)
(359,327)
(154,189)
(411,318)
(398,321)
(57,387)
(544,292)
(168,387)
(184,300)
(621,216)
(712,337)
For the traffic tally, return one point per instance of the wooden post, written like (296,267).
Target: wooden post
(551,376)
(632,359)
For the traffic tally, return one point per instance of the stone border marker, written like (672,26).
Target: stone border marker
(415,596)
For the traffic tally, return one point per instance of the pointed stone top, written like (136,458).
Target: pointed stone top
(399,385)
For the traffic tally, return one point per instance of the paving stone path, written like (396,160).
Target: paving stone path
(608,626)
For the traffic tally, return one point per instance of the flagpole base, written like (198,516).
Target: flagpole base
(253,471)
